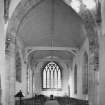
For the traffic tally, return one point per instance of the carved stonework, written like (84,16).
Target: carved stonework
(10,44)
(7,45)
(92,19)
(90,25)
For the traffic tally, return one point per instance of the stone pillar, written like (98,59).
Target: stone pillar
(93,74)
(102,71)
(10,69)
(7,69)
(12,75)
(2,55)
(103,15)
(102,58)
(91,85)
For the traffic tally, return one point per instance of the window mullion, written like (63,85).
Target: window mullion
(50,79)
(51,76)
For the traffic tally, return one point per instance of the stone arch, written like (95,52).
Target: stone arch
(56,68)
(18,15)
(26,5)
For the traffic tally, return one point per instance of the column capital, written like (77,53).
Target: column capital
(10,43)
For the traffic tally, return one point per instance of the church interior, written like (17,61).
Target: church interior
(52,52)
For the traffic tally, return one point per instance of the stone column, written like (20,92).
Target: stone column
(2,55)
(102,71)
(102,58)
(91,85)
(92,74)
(10,69)
(103,15)
(93,79)
(7,80)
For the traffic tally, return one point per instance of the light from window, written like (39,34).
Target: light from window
(90,4)
(51,76)
(75,4)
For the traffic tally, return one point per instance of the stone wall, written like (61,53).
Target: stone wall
(22,84)
(2,55)
(37,82)
(78,60)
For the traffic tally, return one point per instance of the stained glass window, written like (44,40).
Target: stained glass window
(52,76)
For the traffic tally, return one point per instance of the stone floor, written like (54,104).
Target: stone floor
(51,102)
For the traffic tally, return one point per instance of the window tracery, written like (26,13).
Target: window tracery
(52,76)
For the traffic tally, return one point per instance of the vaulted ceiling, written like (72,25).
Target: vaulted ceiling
(52,23)
(49,55)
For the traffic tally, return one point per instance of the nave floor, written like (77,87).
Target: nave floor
(51,102)
(43,100)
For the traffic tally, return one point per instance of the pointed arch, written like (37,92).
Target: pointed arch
(51,74)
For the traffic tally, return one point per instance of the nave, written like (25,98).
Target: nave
(43,100)
(52,47)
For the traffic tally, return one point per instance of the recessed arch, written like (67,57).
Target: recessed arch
(51,76)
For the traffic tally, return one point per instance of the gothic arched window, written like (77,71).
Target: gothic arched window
(85,74)
(52,76)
